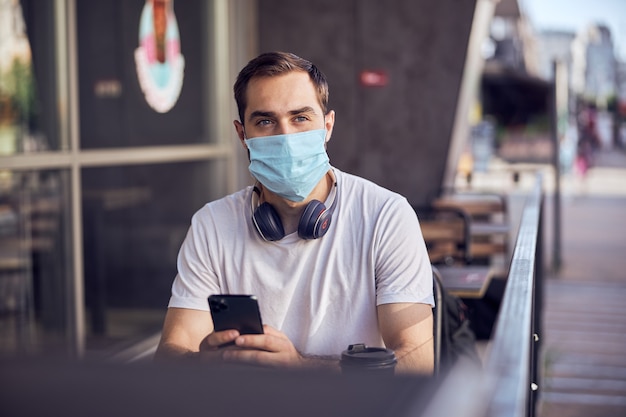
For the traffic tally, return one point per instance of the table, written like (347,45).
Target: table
(488,226)
(476,205)
(467,281)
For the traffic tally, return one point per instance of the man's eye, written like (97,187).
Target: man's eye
(301,118)
(263,122)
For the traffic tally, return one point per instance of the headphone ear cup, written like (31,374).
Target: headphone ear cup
(268,222)
(314,221)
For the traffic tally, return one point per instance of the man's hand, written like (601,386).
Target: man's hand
(215,344)
(271,349)
(185,337)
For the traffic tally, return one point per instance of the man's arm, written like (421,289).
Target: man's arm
(183,331)
(407,328)
(185,334)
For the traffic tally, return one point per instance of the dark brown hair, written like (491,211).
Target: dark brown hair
(277,63)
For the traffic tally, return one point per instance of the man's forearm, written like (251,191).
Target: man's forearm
(172,352)
(168,352)
(321,362)
(416,359)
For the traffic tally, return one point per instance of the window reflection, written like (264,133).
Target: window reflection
(134,217)
(115,110)
(33,266)
(134,221)
(18,98)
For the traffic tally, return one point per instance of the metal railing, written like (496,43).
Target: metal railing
(141,351)
(508,384)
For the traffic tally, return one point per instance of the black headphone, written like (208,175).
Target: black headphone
(313,224)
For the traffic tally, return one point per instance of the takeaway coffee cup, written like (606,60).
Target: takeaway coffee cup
(360,358)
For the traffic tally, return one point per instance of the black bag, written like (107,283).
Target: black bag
(457,337)
(483,311)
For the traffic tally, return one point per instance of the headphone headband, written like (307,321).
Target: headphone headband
(314,221)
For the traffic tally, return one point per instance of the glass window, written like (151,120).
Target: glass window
(22,96)
(34,262)
(132,95)
(134,216)
(135,219)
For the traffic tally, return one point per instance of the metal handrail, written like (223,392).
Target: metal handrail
(142,351)
(508,383)
(514,351)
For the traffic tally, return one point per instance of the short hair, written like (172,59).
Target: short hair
(278,63)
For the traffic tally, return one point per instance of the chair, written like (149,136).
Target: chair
(437,318)
(453,337)
(446,232)
(488,218)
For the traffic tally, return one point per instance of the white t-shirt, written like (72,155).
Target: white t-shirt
(321,293)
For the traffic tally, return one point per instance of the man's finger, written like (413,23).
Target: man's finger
(258,341)
(216,340)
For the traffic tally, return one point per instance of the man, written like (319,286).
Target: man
(353,269)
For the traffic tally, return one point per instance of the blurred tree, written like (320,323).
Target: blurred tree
(17,94)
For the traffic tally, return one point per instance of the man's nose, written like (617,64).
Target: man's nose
(283,127)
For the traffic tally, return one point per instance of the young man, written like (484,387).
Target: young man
(333,259)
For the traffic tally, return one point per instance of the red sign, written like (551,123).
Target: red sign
(374,78)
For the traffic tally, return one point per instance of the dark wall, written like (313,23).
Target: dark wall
(397,135)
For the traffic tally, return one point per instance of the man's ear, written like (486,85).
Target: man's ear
(241,132)
(329,123)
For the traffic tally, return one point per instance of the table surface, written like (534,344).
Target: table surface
(469,281)
(472,204)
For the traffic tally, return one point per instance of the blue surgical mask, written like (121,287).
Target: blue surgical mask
(289,165)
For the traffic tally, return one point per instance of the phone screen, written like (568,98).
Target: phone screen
(234,311)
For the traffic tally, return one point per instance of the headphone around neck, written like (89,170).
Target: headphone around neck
(313,224)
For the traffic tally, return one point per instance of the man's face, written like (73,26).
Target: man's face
(283,104)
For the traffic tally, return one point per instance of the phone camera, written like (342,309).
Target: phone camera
(219,305)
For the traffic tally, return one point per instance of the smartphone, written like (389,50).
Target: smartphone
(236,311)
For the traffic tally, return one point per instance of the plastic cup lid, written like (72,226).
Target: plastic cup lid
(360,354)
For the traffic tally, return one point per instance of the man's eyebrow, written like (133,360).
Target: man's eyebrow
(306,109)
(259,113)
(270,114)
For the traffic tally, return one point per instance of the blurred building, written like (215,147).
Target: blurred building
(513,39)
(621,82)
(554,45)
(594,69)
(513,94)
(589,58)
(588,64)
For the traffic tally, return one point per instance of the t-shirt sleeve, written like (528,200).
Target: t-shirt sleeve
(196,279)
(403,269)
